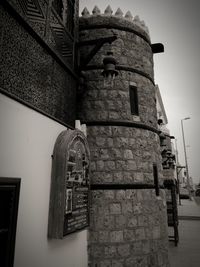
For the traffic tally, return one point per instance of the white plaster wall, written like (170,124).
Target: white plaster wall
(26,144)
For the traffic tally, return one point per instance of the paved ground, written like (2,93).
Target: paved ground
(187,253)
(189,208)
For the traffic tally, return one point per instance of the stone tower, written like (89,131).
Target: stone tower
(128,222)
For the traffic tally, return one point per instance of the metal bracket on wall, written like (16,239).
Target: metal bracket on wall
(157,48)
(98,44)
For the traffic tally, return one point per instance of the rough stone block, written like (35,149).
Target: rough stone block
(93,236)
(105,263)
(116,236)
(152,260)
(109,142)
(108,194)
(122,94)
(127,207)
(136,247)
(139,177)
(118,177)
(128,154)
(144,166)
(132,222)
(148,177)
(107,177)
(140,234)
(156,232)
(129,235)
(114,115)
(115,208)
(97,251)
(110,104)
(146,247)
(137,208)
(92,131)
(120,194)
(116,153)
(101,115)
(138,261)
(101,177)
(117,131)
(104,236)
(100,165)
(103,154)
(121,165)
(131,194)
(121,142)
(128,176)
(140,195)
(100,141)
(103,209)
(143,220)
(148,233)
(123,250)
(110,251)
(117,263)
(93,166)
(120,221)
(97,104)
(108,222)
(110,165)
(131,165)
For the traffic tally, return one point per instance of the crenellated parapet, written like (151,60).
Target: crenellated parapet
(126,21)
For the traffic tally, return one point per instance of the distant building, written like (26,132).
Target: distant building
(167,147)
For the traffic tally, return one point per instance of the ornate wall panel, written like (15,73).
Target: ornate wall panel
(69,198)
(34,12)
(43,18)
(62,41)
(30,74)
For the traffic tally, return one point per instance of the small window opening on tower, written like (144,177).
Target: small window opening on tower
(155,176)
(134,100)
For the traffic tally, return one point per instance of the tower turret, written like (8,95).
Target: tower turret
(128,218)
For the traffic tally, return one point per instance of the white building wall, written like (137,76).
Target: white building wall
(161,114)
(26,144)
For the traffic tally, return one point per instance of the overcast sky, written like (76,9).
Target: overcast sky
(176,24)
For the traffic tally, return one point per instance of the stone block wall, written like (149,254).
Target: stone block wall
(123,154)
(128,227)
(105,103)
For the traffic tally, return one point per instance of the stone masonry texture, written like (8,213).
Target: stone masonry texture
(128,227)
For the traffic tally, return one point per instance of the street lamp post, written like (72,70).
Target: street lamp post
(177,172)
(186,163)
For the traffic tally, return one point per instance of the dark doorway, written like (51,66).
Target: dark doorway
(9,199)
